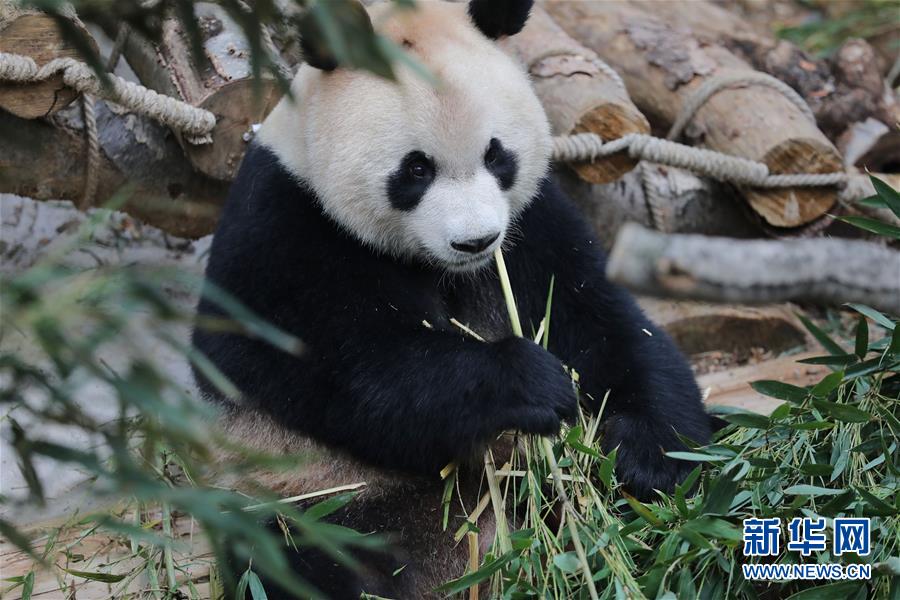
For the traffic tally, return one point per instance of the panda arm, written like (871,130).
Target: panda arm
(597,328)
(415,399)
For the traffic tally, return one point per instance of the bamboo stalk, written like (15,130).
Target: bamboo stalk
(546,446)
(473,562)
(497,503)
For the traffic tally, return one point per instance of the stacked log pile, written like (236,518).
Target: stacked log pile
(660,53)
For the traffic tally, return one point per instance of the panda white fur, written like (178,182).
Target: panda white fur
(367,208)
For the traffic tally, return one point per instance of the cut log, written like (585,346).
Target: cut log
(840,91)
(824,271)
(36,35)
(577,93)
(663,198)
(698,327)
(732,387)
(222,83)
(664,64)
(46,162)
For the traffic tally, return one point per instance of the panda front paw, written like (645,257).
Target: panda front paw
(641,464)
(540,394)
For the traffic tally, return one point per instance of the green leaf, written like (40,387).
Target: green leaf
(257,591)
(873,365)
(835,361)
(894,348)
(696,456)
(832,591)
(781,391)
(749,420)
(873,314)
(822,337)
(873,226)
(843,412)
(720,495)
(642,510)
(889,195)
(607,468)
(877,506)
(326,507)
(466,581)
(811,490)
(837,504)
(104,577)
(811,425)
(28,586)
(862,337)
(816,469)
(715,528)
(567,562)
(240,593)
(828,384)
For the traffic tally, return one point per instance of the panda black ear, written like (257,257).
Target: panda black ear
(350,14)
(496,18)
(316,52)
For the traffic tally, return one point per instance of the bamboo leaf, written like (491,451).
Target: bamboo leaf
(843,412)
(832,591)
(781,391)
(862,337)
(103,577)
(257,591)
(873,226)
(811,490)
(822,337)
(828,384)
(873,314)
(886,193)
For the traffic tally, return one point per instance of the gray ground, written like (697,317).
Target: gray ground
(31,231)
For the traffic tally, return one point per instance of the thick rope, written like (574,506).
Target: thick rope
(195,123)
(724,167)
(91,175)
(714,85)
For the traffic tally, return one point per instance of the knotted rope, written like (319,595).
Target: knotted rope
(195,123)
(719,166)
(708,163)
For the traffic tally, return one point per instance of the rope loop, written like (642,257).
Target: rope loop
(195,123)
(714,85)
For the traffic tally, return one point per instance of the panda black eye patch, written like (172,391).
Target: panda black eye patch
(408,183)
(501,163)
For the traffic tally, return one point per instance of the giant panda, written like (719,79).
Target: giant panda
(363,218)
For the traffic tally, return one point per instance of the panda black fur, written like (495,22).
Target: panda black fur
(364,238)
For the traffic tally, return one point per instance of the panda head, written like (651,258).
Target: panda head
(427,172)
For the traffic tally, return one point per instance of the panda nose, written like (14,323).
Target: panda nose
(475,245)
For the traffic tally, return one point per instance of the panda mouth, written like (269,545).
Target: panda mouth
(469,263)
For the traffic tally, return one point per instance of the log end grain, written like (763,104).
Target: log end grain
(610,121)
(37,36)
(237,106)
(792,207)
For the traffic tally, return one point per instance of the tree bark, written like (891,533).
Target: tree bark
(663,64)
(139,159)
(578,96)
(221,83)
(824,271)
(34,34)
